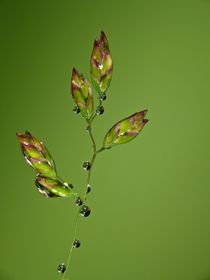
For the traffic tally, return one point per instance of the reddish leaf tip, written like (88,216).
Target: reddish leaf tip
(21,137)
(74,71)
(103,36)
(96,44)
(144,112)
(145,121)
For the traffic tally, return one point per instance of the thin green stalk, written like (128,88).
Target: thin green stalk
(89,128)
(95,114)
(71,250)
(95,152)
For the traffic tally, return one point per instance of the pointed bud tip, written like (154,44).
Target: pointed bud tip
(21,137)
(145,121)
(18,134)
(96,44)
(144,112)
(141,113)
(103,36)
(104,41)
(74,71)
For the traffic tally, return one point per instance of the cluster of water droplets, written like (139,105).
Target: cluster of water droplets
(86,165)
(84,210)
(62,267)
(99,109)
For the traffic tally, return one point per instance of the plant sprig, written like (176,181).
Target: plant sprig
(38,157)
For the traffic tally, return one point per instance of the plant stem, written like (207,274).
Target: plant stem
(89,128)
(95,152)
(95,114)
(71,250)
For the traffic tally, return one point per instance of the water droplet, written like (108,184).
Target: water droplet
(86,165)
(103,96)
(88,188)
(85,211)
(76,243)
(76,110)
(68,185)
(99,110)
(61,268)
(78,201)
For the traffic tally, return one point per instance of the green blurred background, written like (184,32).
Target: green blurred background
(151,198)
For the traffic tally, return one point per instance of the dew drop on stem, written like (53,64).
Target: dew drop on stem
(76,243)
(61,268)
(103,96)
(76,110)
(100,110)
(85,211)
(78,201)
(88,189)
(86,165)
